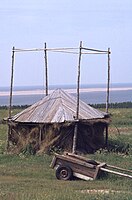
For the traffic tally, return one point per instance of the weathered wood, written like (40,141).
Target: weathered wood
(40,133)
(75,139)
(11,86)
(97,169)
(108,82)
(77,111)
(114,167)
(115,172)
(106,136)
(53,163)
(96,50)
(74,160)
(46,70)
(42,49)
(76,156)
(97,53)
(82,158)
(83,177)
(78,81)
(77,166)
(82,169)
(10,101)
(107,95)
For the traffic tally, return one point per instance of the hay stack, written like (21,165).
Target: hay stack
(49,124)
(56,137)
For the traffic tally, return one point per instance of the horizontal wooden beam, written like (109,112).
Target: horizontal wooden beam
(94,52)
(115,172)
(97,50)
(42,49)
(64,50)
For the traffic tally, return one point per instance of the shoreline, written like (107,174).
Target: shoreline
(41,92)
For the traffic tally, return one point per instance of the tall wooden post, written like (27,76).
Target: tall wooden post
(106,139)
(78,80)
(107,97)
(46,69)
(77,111)
(108,82)
(12,76)
(11,89)
(40,133)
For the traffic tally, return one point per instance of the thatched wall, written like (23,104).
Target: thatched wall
(36,138)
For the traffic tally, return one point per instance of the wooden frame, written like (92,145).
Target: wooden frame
(86,169)
(63,50)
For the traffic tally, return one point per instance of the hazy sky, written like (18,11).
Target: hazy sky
(64,23)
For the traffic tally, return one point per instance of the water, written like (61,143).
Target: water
(88,97)
(100,97)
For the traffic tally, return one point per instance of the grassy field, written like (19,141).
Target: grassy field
(26,177)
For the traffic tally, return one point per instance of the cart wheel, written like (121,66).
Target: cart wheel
(64,173)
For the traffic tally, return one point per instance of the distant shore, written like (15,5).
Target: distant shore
(40,92)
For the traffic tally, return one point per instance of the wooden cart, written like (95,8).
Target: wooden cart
(71,165)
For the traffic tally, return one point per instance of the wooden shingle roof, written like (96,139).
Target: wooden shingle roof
(57,107)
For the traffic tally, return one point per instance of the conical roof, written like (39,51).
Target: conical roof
(57,107)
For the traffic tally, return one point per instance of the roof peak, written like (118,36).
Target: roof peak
(57,107)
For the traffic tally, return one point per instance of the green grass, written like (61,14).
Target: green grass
(26,177)
(122,117)
(31,178)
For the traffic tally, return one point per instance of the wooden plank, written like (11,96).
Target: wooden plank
(77,168)
(79,157)
(86,178)
(97,169)
(52,165)
(76,165)
(84,170)
(76,161)
(115,172)
(114,167)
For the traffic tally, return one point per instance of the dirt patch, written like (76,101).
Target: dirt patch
(106,191)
